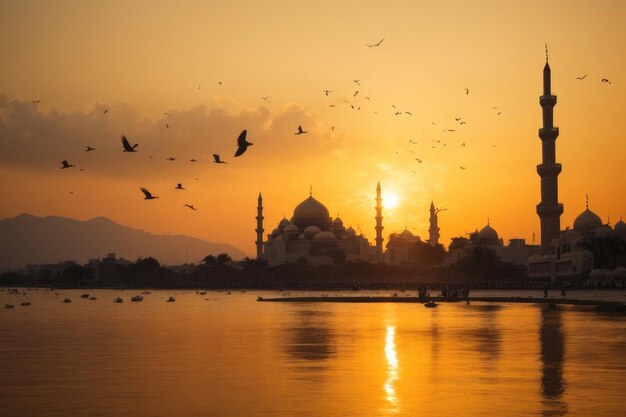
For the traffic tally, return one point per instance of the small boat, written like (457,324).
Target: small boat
(146,292)
(259,298)
(202,292)
(92,298)
(137,298)
(430,304)
(67,300)
(9,306)
(25,303)
(170,300)
(84,296)
(118,300)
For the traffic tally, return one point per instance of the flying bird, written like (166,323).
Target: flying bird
(219,83)
(217,159)
(242,143)
(327,92)
(332,105)
(190,206)
(265,98)
(463,123)
(409,113)
(358,82)
(332,128)
(302,132)
(606,81)
(167,126)
(179,186)
(433,123)
(36,101)
(147,193)
(398,113)
(193,160)
(463,168)
(65,165)
(375,44)
(581,78)
(166,114)
(493,108)
(89,149)
(355,93)
(463,144)
(82,169)
(457,118)
(466,91)
(170,159)
(127,147)
(419,161)
(106,111)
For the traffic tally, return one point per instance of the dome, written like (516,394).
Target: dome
(283,223)
(311,231)
(620,225)
(587,219)
(350,231)
(488,232)
(619,272)
(311,211)
(406,234)
(339,230)
(325,236)
(337,222)
(291,230)
(276,232)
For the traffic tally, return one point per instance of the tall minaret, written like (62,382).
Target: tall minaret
(549,209)
(259,228)
(433,231)
(379,221)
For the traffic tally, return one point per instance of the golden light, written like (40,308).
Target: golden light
(390,200)
(392,367)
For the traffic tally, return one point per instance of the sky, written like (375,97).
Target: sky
(183,79)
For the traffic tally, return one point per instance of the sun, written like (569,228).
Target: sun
(390,200)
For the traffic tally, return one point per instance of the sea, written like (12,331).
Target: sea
(225,354)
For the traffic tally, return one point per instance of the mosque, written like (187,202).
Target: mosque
(312,234)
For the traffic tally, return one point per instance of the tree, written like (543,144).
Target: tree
(209,260)
(223,259)
(148,264)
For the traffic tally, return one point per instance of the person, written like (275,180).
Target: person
(545,293)
(563,292)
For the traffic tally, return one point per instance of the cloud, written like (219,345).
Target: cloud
(38,140)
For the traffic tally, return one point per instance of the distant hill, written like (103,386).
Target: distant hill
(28,239)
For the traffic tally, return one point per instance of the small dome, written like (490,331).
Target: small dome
(291,230)
(406,234)
(276,232)
(283,223)
(350,231)
(587,219)
(620,225)
(337,222)
(488,232)
(325,236)
(339,230)
(311,231)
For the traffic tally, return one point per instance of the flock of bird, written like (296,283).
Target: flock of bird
(242,144)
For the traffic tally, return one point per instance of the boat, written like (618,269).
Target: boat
(118,300)
(25,303)
(137,298)
(92,298)
(67,300)
(259,298)
(146,292)
(430,304)
(84,296)
(9,306)
(170,300)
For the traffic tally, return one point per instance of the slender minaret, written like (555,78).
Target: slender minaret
(549,209)
(433,231)
(379,221)
(259,228)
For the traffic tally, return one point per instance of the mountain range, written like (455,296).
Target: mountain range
(28,239)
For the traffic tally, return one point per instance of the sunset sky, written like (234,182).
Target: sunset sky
(142,59)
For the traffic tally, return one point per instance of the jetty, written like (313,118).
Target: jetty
(599,304)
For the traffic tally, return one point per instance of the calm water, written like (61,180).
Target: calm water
(227,355)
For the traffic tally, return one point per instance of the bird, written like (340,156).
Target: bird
(412,141)
(193,160)
(367,98)
(166,114)
(463,168)
(82,169)
(190,206)
(581,78)
(419,161)
(265,98)
(327,92)
(36,101)
(332,128)
(449,130)
(126,145)
(179,186)
(393,105)
(302,132)
(197,179)
(398,113)
(66,165)
(409,113)
(466,91)
(493,108)
(332,105)
(414,171)
(375,44)
(219,83)
(606,81)
(147,193)
(433,123)
(106,111)
(499,113)
(242,143)
(170,159)
(167,126)
(217,159)
(463,144)
(89,149)
(457,118)
(355,93)
(493,146)
(463,123)
(358,82)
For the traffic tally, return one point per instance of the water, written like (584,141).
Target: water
(232,356)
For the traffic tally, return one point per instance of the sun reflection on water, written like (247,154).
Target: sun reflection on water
(392,368)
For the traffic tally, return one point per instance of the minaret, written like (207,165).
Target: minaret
(379,222)
(259,228)
(549,209)
(433,231)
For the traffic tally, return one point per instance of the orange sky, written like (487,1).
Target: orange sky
(142,59)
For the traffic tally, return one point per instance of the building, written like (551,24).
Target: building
(433,231)
(311,234)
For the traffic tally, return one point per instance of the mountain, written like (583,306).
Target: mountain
(28,239)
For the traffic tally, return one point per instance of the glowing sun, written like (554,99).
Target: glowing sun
(390,200)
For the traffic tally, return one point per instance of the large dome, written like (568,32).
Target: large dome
(311,212)
(488,232)
(620,225)
(587,219)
